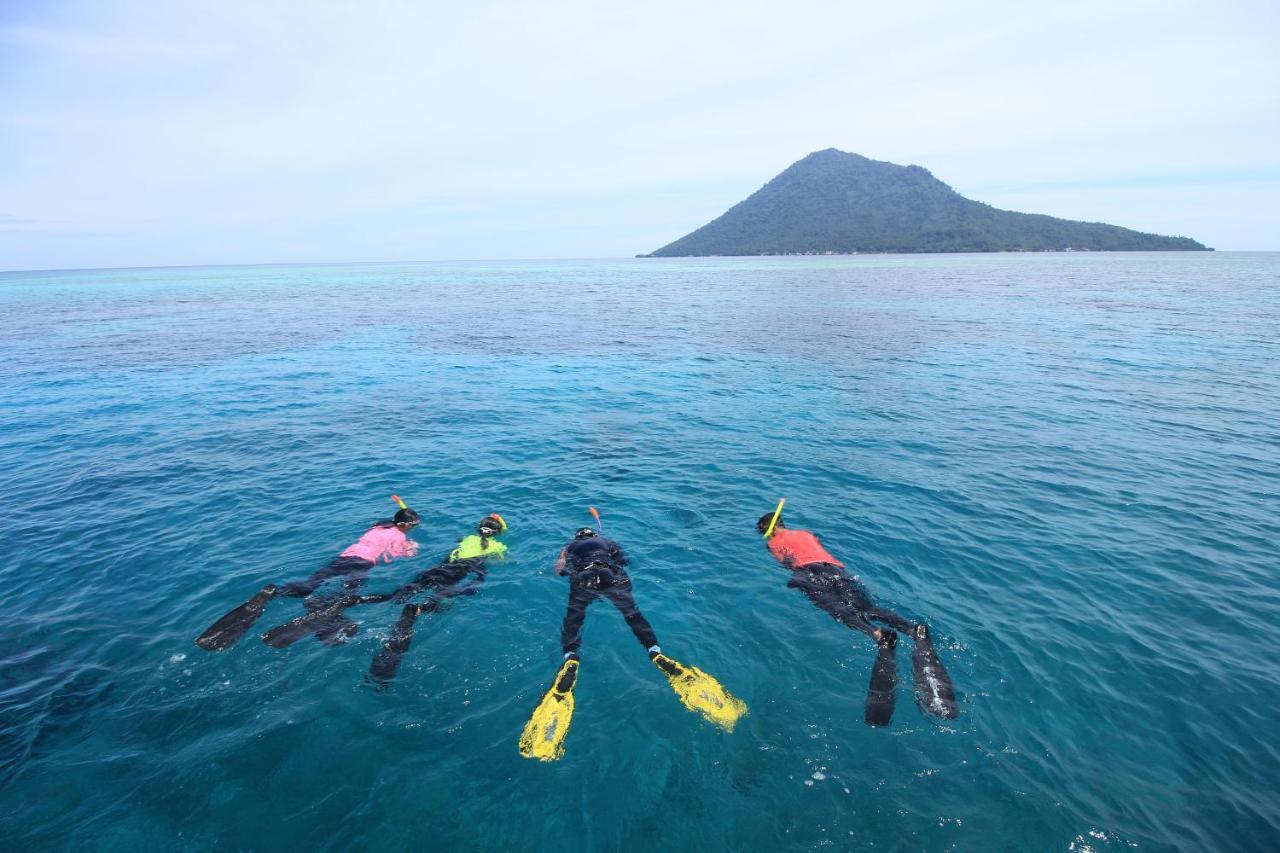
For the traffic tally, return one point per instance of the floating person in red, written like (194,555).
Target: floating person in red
(830,587)
(383,542)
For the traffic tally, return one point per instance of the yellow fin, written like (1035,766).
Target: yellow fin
(701,693)
(543,736)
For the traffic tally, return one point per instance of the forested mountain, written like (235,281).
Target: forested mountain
(832,201)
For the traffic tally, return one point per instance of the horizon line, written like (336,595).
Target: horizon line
(596,258)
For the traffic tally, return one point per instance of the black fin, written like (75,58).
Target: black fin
(293,630)
(884,679)
(312,622)
(234,623)
(337,630)
(283,636)
(387,660)
(935,694)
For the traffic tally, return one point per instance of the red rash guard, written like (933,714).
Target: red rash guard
(796,548)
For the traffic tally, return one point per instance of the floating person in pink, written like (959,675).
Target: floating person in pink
(467,560)
(383,542)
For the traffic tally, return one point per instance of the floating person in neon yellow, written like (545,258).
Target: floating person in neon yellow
(468,557)
(445,580)
(595,566)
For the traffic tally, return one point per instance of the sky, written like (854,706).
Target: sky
(135,133)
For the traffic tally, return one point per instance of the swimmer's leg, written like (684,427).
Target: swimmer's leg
(621,597)
(892,619)
(574,615)
(387,660)
(830,598)
(340,567)
(328,621)
(839,597)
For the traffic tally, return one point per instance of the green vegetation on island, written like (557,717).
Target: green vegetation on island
(833,202)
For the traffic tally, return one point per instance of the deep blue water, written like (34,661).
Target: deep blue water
(1068,465)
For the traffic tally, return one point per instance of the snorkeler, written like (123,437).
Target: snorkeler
(829,586)
(595,566)
(445,579)
(384,541)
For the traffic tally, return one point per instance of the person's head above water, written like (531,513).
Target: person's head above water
(406,519)
(765,520)
(491,525)
(584,533)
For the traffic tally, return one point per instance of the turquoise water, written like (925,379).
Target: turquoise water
(1066,464)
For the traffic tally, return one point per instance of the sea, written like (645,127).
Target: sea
(1067,465)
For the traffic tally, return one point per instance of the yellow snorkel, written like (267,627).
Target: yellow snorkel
(777,514)
(402,504)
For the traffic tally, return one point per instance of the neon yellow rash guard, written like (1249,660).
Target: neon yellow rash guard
(469,547)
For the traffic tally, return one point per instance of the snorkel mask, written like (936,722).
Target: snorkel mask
(491,525)
(405,515)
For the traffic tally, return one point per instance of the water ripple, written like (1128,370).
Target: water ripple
(1066,465)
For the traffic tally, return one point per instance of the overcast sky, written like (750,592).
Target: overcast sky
(139,133)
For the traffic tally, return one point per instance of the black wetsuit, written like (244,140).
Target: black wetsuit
(832,589)
(354,569)
(440,578)
(595,569)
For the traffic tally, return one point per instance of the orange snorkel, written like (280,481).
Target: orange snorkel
(597,517)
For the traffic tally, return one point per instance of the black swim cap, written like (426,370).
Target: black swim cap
(584,533)
(490,525)
(407,516)
(765,520)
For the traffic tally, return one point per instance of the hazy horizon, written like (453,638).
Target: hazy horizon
(224,133)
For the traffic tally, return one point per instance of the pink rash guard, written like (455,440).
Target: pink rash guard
(382,543)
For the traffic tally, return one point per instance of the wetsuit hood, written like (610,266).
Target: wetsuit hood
(491,525)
